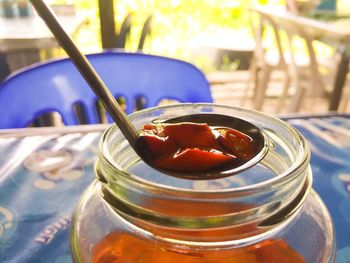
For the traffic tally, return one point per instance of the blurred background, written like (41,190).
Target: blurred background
(218,36)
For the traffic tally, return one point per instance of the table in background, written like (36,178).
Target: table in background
(21,38)
(43,172)
(333,32)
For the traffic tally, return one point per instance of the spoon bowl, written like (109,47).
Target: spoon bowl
(216,120)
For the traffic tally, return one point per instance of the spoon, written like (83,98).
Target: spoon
(122,121)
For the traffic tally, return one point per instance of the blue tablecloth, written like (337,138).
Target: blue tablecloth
(42,177)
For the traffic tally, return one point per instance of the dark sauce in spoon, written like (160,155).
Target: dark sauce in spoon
(194,147)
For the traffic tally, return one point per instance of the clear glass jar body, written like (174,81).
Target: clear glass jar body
(267,213)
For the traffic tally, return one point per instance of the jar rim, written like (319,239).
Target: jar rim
(300,163)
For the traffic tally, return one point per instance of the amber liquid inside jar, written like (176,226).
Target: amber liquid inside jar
(267,213)
(119,247)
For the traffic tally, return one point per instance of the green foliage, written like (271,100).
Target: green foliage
(174,23)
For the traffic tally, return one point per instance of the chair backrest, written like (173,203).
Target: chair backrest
(295,32)
(58,86)
(259,23)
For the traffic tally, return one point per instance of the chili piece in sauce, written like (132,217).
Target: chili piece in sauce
(194,147)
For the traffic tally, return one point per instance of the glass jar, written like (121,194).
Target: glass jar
(268,213)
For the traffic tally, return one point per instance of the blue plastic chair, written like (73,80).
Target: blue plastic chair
(57,86)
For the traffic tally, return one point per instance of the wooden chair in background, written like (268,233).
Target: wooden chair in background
(264,61)
(308,82)
(300,69)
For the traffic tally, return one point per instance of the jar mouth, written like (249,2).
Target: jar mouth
(280,212)
(230,242)
(230,208)
(300,163)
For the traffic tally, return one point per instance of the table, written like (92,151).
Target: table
(31,33)
(220,44)
(336,33)
(43,171)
